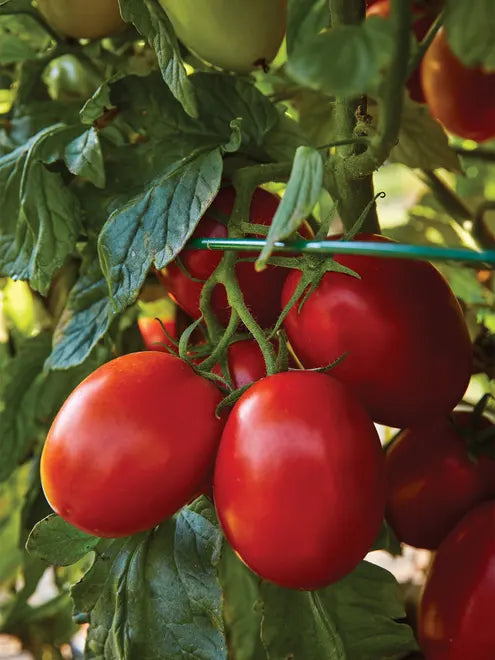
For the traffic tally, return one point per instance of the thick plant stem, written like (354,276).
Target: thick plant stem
(391,99)
(350,193)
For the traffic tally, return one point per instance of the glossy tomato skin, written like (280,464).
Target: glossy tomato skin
(154,338)
(457,608)
(246,363)
(261,290)
(461,98)
(83,19)
(299,480)
(408,348)
(432,482)
(423,20)
(124,451)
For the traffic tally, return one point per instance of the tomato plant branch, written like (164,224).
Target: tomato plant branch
(415,61)
(350,192)
(447,197)
(390,101)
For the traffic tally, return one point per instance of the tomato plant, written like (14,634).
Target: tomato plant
(406,345)
(261,290)
(279,494)
(432,481)
(149,456)
(461,97)
(242,124)
(230,34)
(457,606)
(83,19)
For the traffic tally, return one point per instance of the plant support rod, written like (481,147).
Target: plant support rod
(484,258)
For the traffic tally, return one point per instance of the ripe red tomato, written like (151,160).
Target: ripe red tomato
(432,481)
(154,337)
(457,608)
(132,444)
(461,98)
(408,349)
(299,480)
(423,20)
(261,290)
(246,363)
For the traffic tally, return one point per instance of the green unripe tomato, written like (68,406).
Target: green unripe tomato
(83,19)
(236,35)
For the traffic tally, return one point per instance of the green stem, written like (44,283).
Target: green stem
(391,100)
(224,342)
(351,193)
(447,197)
(425,44)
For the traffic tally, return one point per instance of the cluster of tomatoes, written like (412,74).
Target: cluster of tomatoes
(299,478)
(460,97)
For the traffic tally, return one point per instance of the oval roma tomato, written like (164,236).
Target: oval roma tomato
(461,98)
(231,34)
(83,19)
(299,480)
(423,20)
(432,481)
(132,444)
(408,348)
(154,338)
(261,290)
(457,609)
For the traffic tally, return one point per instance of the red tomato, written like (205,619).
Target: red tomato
(261,290)
(246,363)
(423,20)
(432,482)
(461,98)
(457,608)
(132,444)
(408,348)
(299,480)
(152,333)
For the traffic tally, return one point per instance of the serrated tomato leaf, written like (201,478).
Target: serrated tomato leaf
(153,227)
(155,595)
(153,23)
(353,618)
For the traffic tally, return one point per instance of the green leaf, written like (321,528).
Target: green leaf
(18,429)
(154,227)
(470,28)
(422,141)
(241,610)
(39,216)
(14,49)
(353,619)
(302,194)
(57,542)
(155,595)
(346,60)
(84,157)
(86,318)
(305,19)
(153,23)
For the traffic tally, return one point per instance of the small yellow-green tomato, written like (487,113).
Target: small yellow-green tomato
(237,35)
(83,19)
